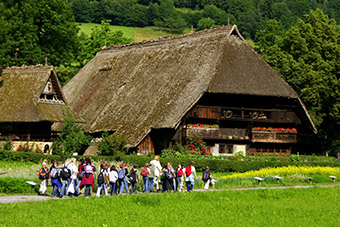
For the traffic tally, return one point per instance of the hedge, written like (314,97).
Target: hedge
(214,165)
(9,185)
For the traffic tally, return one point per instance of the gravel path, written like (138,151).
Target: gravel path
(27,198)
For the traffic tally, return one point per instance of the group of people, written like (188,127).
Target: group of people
(68,178)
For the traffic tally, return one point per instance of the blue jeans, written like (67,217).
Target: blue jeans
(122,185)
(65,183)
(190,186)
(87,190)
(113,187)
(76,189)
(146,184)
(151,183)
(55,191)
(101,187)
(177,183)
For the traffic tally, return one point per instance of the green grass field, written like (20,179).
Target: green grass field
(137,34)
(280,207)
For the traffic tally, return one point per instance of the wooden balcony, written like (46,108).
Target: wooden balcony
(216,133)
(273,137)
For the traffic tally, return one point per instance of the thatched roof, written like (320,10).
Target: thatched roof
(20,95)
(137,87)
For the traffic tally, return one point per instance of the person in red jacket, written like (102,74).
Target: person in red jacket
(43,176)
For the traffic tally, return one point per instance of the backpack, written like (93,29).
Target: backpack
(144,172)
(43,173)
(121,174)
(88,169)
(206,176)
(80,174)
(153,170)
(180,172)
(101,179)
(65,173)
(165,174)
(54,173)
(188,170)
(133,176)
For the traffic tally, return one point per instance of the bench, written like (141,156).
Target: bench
(310,179)
(278,178)
(333,178)
(259,179)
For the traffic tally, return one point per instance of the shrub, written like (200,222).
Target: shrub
(112,145)
(72,138)
(9,185)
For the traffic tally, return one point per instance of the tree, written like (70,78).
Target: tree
(205,23)
(169,18)
(36,29)
(112,145)
(308,57)
(72,137)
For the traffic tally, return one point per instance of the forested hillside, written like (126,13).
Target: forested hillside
(298,38)
(249,15)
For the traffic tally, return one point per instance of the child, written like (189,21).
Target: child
(206,177)
(43,176)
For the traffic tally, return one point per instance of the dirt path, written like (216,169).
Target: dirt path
(28,198)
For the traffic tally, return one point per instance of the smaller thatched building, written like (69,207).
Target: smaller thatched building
(31,100)
(209,83)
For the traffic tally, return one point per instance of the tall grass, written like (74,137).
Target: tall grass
(288,207)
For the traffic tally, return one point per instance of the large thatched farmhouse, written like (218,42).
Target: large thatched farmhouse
(210,83)
(31,100)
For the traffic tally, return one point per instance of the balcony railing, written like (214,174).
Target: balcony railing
(273,137)
(217,133)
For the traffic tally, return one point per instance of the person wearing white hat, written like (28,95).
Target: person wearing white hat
(43,176)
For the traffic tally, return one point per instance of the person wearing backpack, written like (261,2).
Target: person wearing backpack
(43,175)
(65,176)
(165,178)
(155,171)
(56,184)
(134,177)
(88,177)
(191,176)
(123,179)
(101,180)
(145,174)
(206,178)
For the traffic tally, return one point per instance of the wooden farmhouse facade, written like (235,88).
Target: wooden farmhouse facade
(31,101)
(210,83)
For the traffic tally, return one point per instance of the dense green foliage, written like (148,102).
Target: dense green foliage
(307,56)
(9,185)
(293,207)
(72,138)
(112,145)
(228,165)
(33,30)
(249,15)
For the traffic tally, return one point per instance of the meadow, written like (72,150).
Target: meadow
(19,172)
(279,207)
(135,33)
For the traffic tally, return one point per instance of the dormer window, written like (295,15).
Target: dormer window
(51,92)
